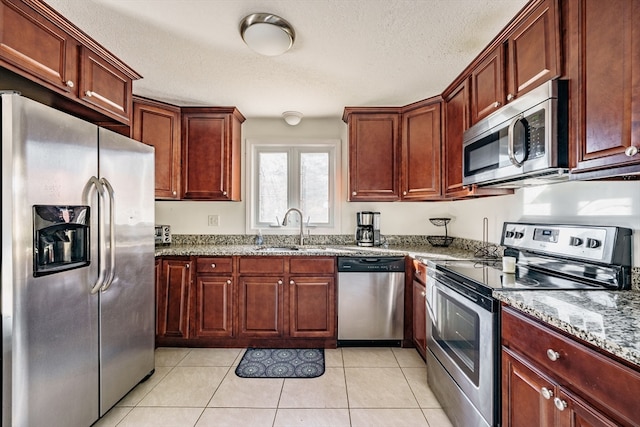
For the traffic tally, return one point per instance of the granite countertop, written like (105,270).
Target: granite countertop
(420,252)
(609,320)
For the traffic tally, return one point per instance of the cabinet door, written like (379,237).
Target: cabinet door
(419,317)
(575,412)
(173,299)
(527,395)
(211,155)
(214,306)
(373,157)
(104,87)
(604,60)
(312,306)
(261,306)
(456,122)
(487,85)
(421,143)
(534,50)
(159,126)
(34,46)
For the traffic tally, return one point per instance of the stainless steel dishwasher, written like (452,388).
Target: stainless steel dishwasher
(370,300)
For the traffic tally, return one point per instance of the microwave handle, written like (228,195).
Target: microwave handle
(511,143)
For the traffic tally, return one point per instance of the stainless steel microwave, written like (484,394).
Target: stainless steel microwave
(523,143)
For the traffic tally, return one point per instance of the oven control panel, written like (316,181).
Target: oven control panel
(593,243)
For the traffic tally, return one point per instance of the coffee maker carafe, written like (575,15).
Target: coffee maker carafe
(368,228)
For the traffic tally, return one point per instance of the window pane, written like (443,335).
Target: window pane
(272,186)
(314,186)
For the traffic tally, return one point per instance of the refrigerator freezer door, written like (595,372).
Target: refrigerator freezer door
(49,323)
(127,301)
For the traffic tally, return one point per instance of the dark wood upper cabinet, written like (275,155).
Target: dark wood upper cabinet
(534,49)
(158,125)
(421,151)
(603,63)
(374,150)
(487,82)
(81,76)
(211,153)
(457,120)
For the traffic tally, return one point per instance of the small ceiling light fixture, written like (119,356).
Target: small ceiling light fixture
(292,117)
(267,34)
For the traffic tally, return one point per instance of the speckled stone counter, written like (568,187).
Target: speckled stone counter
(609,320)
(419,251)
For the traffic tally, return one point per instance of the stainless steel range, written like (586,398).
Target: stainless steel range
(462,315)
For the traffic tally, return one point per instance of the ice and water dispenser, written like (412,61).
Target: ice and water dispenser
(61,238)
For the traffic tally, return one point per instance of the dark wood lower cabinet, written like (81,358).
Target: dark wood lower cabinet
(172,300)
(261,307)
(247,301)
(580,387)
(214,306)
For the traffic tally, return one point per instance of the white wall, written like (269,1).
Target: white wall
(600,203)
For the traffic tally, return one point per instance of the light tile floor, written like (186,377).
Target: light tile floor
(196,387)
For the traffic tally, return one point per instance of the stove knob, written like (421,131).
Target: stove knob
(593,243)
(509,234)
(519,235)
(575,241)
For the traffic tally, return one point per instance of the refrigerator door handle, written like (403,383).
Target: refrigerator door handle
(112,235)
(95,183)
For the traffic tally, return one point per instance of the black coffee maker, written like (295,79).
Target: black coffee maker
(368,228)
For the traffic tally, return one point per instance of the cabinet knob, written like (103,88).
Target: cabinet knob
(496,104)
(560,404)
(175,193)
(423,293)
(354,193)
(631,151)
(224,193)
(186,265)
(213,266)
(228,282)
(404,193)
(291,282)
(553,355)
(279,282)
(69,83)
(89,93)
(546,393)
(510,97)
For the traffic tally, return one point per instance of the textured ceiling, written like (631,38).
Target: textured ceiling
(347,52)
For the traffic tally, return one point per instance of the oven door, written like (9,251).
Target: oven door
(462,337)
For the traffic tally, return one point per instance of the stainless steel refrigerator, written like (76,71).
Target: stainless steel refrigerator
(78,316)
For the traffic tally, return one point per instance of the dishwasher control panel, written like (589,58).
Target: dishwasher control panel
(370,264)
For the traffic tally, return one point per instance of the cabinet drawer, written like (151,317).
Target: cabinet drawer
(313,265)
(261,265)
(604,382)
(214,265)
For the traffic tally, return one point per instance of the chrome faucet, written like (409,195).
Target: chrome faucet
(284,222)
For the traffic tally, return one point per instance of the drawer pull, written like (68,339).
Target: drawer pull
(279,282)
(553,355)
(291,282)
(560,404)
(228,282)
(546,393)
(213,266)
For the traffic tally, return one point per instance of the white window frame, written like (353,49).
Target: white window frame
(295,146)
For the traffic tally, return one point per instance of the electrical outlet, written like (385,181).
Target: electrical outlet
(214,220)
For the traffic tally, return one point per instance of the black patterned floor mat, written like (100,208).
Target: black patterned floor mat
(281,363)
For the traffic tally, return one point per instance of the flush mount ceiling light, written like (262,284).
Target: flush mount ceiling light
(267,34)
(292,117)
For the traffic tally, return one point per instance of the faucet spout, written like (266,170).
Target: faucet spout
(284,222)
